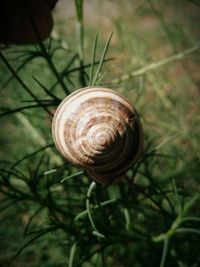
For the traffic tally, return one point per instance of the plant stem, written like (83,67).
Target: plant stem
(93,184)
(95,231)
(160,63)
(165,250)
(24,86)
(79,38)
(46,54)
(72,255)
(102,204)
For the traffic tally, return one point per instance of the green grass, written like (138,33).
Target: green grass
(52,214)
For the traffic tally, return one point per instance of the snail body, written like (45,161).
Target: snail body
(98,129)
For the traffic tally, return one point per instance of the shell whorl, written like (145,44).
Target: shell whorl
(98,129)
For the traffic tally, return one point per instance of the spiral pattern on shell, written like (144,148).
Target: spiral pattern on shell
(98,129)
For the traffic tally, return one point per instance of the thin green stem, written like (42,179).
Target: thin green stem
(72,255)
(71,176)
(155,65)
(190,218)
(127,218)
(96,77)
(54,70)
(91,187)
(46,54)
(93,61)
(102,204)
(95,231)
(164,253)
(79,31)
(24,86)
(188,230)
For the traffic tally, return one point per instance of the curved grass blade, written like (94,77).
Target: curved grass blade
(72,255)
(96,77)
(95,231)
(93,61)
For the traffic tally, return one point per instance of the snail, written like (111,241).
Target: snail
(98,129)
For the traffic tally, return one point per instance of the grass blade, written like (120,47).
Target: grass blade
(93,61)
(96,77)
(72,255)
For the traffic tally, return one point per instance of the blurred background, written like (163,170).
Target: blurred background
(153,61)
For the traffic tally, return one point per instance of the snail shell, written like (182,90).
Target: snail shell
(98,129)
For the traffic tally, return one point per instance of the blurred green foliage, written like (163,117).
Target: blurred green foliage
(51,212)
